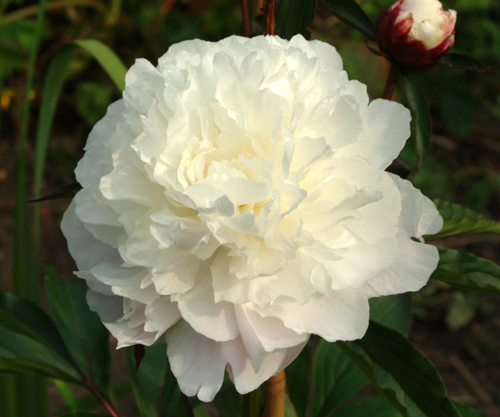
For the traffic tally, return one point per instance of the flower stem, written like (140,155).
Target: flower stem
(245,18)
(390,84)
(273,392)
(93,389)
(251,404)
(269,17)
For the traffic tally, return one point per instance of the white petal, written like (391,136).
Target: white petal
(161,315)
(415,264)
(197,362)
(342,316)
(86,250)
(214,320)
(390,128)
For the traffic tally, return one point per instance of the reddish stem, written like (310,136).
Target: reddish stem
(93,389)
(269,17)
(245,18)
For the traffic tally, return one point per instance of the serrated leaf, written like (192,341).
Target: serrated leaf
(421,118)
(460,220)
(462,61)
(467,272)
(154,384)
(414,373)
(350,12)
(84,335)
(293,17)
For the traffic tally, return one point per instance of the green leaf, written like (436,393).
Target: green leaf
(421,118)
(82,414)
(350,12)
(463,61)
(229,401)
(393,311)
(19,353)
(84,335)
(467,272)
(289,408)
(367,407)
(414,373)
(297,377)
(31,320)
(460,220)
(293,17)
(467,411)
(107,58)
(334,378)
(154,384)
(67,191)
(368,369)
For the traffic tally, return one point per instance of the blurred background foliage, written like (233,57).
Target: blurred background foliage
(463,166)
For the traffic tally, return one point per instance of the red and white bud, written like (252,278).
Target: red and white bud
(415,34)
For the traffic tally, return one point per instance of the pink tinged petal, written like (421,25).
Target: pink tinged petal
(216,321)
(197,362)
(415,264)
(343,315)
(390,128)
(262,335)
(161,315)
(126,327)
(86,250)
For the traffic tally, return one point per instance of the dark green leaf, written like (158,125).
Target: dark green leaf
(421,118)
(467,411)
(19,353)
(289,408)
(463,61)
(297,376)
(459,220)
(68,191)
(82,414)
(293,17)
(393,311)
(350,12)
(33,321)
(414,373)
(84,335)
(467,272)
(154,384)
(367,407)
(366,367)
(334,378)
(229,401)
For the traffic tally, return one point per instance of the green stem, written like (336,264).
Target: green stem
(251,404)
(390,84)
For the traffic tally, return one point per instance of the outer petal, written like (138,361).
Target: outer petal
(342,316)
(85,249)
(390,128)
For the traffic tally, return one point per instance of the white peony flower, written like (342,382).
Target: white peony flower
(235,202)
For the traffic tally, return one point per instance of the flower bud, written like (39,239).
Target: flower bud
(415,34)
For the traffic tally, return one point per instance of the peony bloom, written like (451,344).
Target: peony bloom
(415,34)
(235,202)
